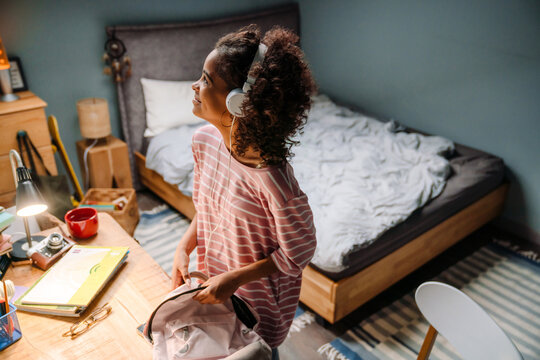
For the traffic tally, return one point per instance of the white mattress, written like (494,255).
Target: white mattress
(169,154)
(362,176)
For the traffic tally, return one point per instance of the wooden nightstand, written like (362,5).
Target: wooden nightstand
(107,161)
(27,113)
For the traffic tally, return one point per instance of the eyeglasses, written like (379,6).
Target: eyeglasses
(84,325)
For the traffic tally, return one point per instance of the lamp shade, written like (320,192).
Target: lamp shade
(28,200)
(94,120)
(4,63)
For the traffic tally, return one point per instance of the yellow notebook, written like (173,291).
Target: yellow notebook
(76,278)
(61,310)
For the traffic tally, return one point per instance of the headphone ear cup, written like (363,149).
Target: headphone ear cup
(234,102)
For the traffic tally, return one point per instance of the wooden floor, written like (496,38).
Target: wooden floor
(304,344)
(147,200)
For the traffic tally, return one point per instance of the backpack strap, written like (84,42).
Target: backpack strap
(22,146)
(243,312)
(22,137)
(240,307)
(148,328)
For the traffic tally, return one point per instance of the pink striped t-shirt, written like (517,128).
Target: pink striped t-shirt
(259,213)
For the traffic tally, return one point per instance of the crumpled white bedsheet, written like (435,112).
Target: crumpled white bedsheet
(362,176)
(169,154)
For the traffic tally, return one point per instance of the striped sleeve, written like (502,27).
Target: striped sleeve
(196,174)
(295,235)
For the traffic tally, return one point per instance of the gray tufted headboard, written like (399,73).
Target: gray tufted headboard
(176,52)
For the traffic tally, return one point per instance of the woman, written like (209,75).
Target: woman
(254,228)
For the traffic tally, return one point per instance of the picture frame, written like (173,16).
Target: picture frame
(18,81)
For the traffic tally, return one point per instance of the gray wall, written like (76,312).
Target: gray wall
(467,70)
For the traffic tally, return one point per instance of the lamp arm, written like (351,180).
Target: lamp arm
(13,154)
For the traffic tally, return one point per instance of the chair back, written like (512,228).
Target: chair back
(466,325)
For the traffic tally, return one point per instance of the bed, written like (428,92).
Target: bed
(473,193)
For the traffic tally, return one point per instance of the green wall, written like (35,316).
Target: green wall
(60,43)
(466,70)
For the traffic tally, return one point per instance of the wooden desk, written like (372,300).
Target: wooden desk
(137,288)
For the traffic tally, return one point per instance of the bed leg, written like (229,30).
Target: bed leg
(322,321)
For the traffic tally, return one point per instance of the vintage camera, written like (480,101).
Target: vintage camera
(49,250)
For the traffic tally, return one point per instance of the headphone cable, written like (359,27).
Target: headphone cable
(228,181)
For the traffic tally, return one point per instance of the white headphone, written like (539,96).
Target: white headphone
(237,96)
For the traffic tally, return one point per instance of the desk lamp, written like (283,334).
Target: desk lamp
(5,79)
(29,202)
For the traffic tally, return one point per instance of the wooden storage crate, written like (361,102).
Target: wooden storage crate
(128,217)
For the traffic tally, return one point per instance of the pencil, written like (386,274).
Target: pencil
(8,318)
(5,297)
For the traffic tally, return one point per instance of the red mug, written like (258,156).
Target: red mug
(82,223)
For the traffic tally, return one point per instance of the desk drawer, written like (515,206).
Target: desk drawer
(33,121)
(6,180)
(7,199)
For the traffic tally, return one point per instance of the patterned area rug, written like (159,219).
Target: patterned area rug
(506,284)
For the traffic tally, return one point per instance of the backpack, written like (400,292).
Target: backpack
(183,328)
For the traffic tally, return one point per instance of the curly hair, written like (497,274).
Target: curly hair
(277,105)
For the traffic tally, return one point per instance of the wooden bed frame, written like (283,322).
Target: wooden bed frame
(166,191)
(332,300)
(349,293)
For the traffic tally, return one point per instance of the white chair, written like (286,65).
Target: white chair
(470,330)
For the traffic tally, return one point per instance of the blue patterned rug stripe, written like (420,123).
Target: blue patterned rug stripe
(359,354)
(504,283)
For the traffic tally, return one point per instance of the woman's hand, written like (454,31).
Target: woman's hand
(221,287)
(188,242)
(180,272)
(218,289)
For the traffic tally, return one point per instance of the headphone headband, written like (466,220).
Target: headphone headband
(259,58)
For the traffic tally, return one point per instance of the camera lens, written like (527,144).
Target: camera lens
(55,242)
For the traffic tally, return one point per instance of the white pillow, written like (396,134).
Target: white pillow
(168,105)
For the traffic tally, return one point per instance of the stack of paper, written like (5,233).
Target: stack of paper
(73,282)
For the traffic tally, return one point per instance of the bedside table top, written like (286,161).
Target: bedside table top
(28,100)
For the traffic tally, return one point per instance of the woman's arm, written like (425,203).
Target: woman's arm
(221,287)
(187,244)
(255,271)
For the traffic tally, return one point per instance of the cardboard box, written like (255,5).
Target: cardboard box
(107,163)
(128,217)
